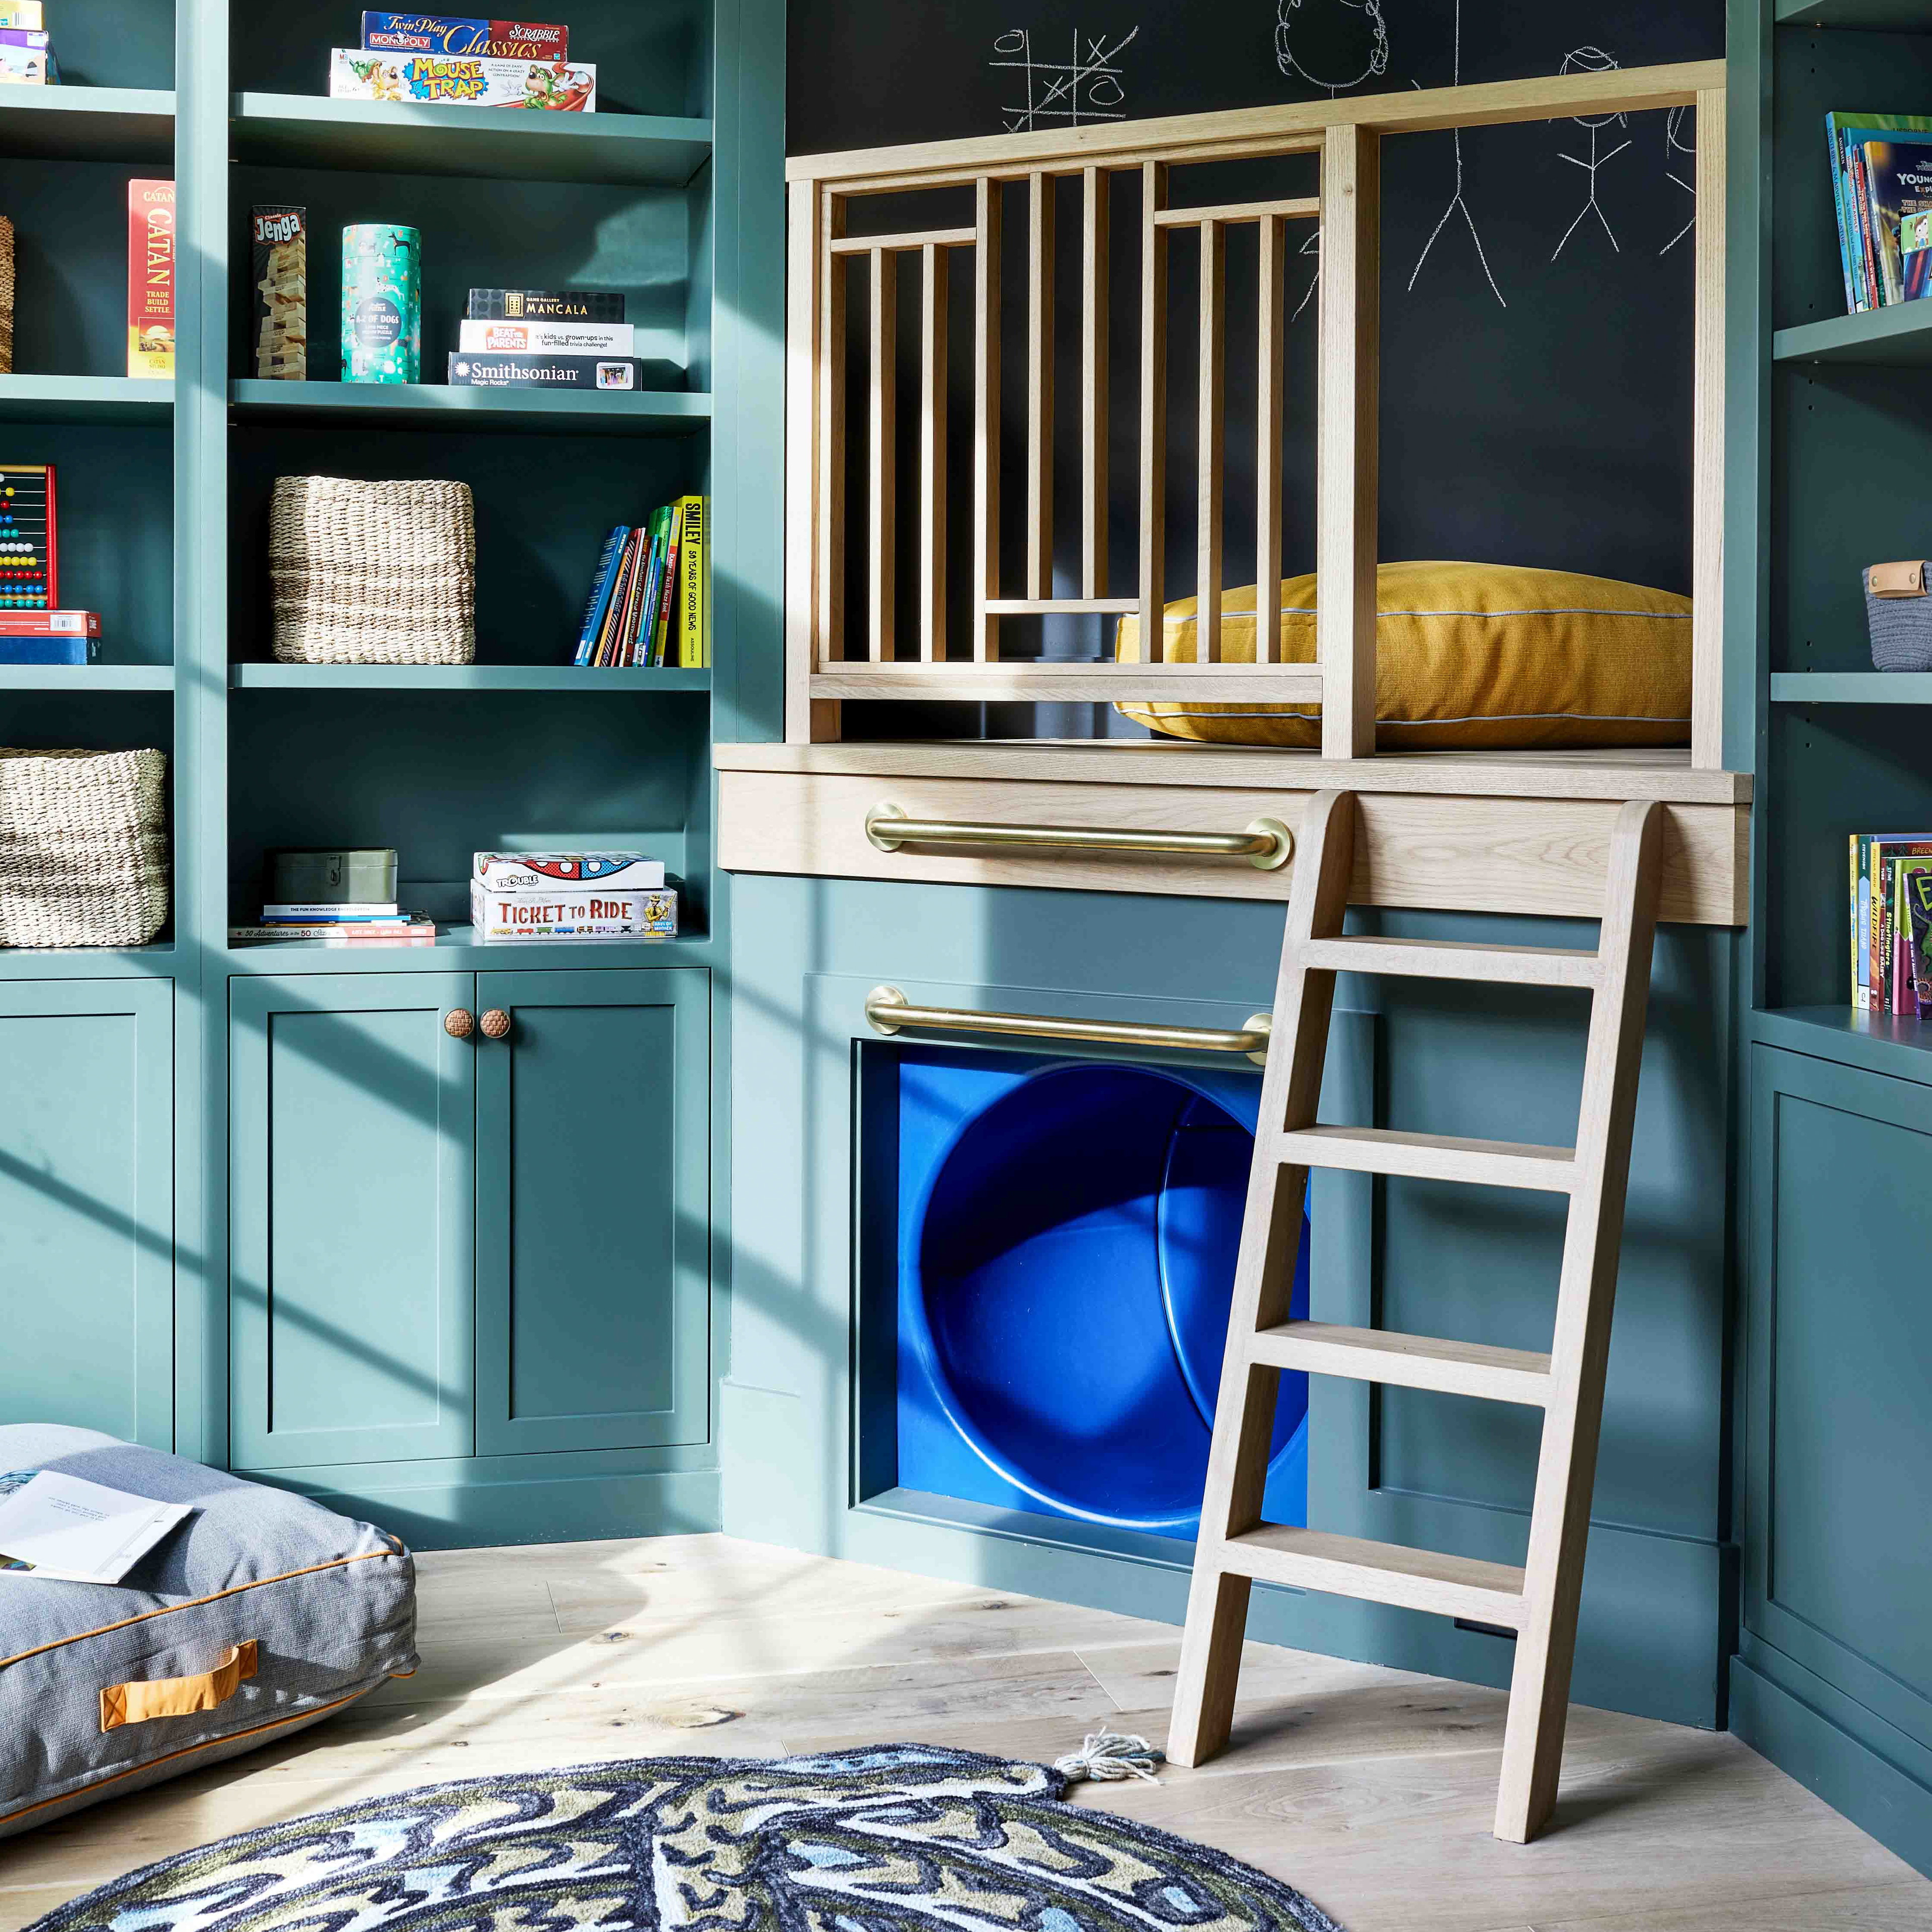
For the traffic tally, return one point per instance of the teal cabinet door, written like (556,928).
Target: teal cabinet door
(593,1288)
(353,1114)
(87,1205)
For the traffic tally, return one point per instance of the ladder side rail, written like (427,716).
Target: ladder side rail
(1566,1468)
(1217,1611)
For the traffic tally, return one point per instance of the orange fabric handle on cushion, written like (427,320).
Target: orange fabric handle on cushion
(177,1697)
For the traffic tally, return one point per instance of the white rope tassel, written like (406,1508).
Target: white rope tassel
(1107,1756)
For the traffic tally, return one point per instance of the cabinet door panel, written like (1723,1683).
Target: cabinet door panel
(354,1116)
(87,1205)
(593,1293)
(1841,1558)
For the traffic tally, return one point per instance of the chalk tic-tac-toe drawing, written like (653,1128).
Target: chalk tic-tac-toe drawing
(1592,60)
(1293,24)
(1459,204)
(1088,87)
(1679,153)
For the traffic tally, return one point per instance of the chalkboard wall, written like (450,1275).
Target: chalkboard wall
(1536,352)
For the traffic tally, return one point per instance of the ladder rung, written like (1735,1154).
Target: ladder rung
(1407,1361)
(1381,1573)
(1430,959)
(1431,1157)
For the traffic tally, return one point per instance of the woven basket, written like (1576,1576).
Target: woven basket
(6,296)
(83,848)
(372,573)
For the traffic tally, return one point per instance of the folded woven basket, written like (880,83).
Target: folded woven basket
(372,573)
(83,848)
(6,296)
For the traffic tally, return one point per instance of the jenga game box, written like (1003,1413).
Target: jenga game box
(278,262)
(150,278)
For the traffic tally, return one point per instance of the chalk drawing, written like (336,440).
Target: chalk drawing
(1458,205)
(1086,88)
(1675,148)
(1592,60)
(1375,58)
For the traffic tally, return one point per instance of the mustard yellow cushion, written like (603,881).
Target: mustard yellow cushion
(1487,656)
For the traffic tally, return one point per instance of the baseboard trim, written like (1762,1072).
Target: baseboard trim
(1874,1793)
(451,1514)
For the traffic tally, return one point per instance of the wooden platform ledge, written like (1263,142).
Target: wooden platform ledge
(1522,833)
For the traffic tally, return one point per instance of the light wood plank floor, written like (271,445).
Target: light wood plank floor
(1370,1789)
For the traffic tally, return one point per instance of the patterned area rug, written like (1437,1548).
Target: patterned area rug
(901,1838)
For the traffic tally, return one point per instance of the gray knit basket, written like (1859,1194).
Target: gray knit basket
(372,573)
(1901,627)
(83,848)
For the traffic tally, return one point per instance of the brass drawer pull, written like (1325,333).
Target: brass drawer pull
(888,1012)
(1266,843)
(459,1024)
(496,1023)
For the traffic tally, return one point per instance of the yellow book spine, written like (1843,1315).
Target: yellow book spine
(693,640)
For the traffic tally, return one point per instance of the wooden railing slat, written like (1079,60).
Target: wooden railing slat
(934,290)
(1212,361)
(988,210)
(1153,413)
(1707,446)
(831,583)
(1267,441)
(883,489)
(1345,458)
(1095,239)
(1039,387)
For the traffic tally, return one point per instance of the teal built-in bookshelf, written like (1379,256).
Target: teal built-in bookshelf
(297,1222)
(1833,1677)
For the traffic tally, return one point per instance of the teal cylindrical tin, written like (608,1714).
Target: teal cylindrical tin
(382,304)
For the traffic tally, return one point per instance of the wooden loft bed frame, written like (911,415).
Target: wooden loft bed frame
(809,805)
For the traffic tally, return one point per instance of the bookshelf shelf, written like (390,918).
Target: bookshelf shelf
(1878,1042)
(1898,337)
(477,143)
(458,948)
(434,405)
(632,681)
(85,399)
(86,677)
(88,123)
(1851,687)
(85,962)
(1884,16)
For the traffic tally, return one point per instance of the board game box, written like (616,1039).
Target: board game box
(151,279)
(557,86)
(278,267)
(544,372)
(546,338)
(600,305)
(439,34)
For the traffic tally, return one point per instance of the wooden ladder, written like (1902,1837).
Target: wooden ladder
(1236,1548)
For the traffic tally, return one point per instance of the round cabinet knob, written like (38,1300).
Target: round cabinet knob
(459,1025)
(496,1023)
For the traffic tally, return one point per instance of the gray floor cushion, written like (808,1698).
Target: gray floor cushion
(260,1613)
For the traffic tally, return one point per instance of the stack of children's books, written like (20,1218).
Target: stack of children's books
(342,896)
(1891,923)
(648,602)
(1882,184)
